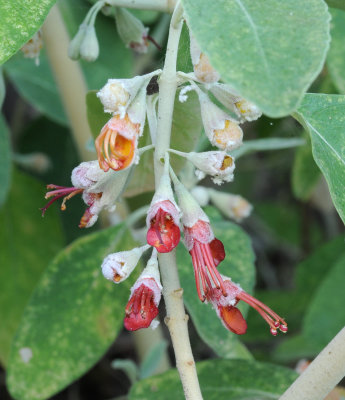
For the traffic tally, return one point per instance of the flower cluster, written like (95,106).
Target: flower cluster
(101,182)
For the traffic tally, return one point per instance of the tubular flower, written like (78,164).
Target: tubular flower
(117,143)
(222,131)
(218,164)
(99,190)
(203,70)
(118,266)
(244,109)
(142,306)
(163,218)
(231,205)
(206,251)
(231,316)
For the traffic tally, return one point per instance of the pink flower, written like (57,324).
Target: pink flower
(142,307)
(207,252)
(230,315)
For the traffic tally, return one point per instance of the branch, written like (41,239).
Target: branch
(322,375)
(155,5)
(176,318)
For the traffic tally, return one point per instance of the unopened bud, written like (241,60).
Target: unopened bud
(244,109)
(222,131)
(32,48)
(74,46)
(117,267)
(218,164)
(89,48)
(131,30)
(232,206)
(203,70)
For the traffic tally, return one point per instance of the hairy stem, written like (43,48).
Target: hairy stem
(156,5)
(176,318)
(322,374)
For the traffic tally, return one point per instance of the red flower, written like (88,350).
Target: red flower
(207,252)
(231,316)
(142,306)
(164,232)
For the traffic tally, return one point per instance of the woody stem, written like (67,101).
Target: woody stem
(322,374)
(176,318)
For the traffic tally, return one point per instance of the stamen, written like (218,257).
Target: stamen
(196,275)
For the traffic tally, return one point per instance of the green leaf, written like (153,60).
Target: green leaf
(269,51)
(36,84)
(239,265)
(310,273)
(336,54)
(324,118)
(5,160)
(305,173)
(152,359)
(28,243)
(71,320)
(221,380)
(336,3)
(19,21)
(325,316)
(250,146)
(295,348)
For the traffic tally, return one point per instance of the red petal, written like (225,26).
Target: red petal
(164,236)
(233,319)
(142,319)
(217,250)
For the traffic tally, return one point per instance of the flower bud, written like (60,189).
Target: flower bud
(32,48)
(244,109)
(131,30)
(232,206)
(89,48)
(218,164)
(117,94)
(74,46)
(222,131)
(203,70)
(117,267)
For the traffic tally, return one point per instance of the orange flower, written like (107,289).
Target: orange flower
(117,142)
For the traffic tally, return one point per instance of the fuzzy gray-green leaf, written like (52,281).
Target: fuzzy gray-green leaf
(324,118)
(28,243)
(19,21)
(220,380)
(71,320)
(268,50)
